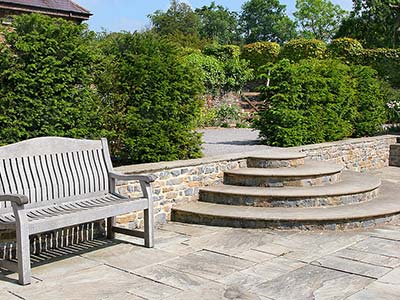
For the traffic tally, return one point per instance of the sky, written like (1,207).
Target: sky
(131,15)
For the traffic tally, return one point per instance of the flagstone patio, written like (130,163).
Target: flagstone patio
(201,262)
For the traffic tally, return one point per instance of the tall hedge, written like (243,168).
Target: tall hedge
(152,96)
(316,101)
(298,49)
(46,71)
(261,53)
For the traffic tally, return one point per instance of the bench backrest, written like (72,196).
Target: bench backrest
(54,169)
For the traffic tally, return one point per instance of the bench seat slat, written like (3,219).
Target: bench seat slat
(112,204)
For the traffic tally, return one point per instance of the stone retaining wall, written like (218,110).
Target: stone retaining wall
(360,154)
(179,181)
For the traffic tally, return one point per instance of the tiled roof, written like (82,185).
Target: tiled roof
(60,5)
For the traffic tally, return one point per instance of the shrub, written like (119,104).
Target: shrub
(222,52)
(152,96)
(298,49)
(346,48)
(260,53)
(210,70)
(316,101)
(46,72)
(385,61)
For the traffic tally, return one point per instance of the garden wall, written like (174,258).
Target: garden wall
(179,181)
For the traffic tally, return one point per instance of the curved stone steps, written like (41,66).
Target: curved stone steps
(276,159)
(310,174)
(354,187)
(382,209)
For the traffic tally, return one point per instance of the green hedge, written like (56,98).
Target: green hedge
(46,72)
(346,48)
(153,97)
(298,49)
(316,101)
(261,53)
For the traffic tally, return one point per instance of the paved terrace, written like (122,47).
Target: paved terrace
(200,262)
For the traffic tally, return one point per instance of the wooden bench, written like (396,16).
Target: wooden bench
(50,183)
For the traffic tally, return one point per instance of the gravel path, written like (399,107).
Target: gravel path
(230,140)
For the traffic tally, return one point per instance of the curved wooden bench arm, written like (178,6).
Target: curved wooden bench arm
(17,199)
(130,177)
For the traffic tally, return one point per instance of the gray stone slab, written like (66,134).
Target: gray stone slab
(172,277)
(379,246)
(216,292)
(378,291)
(370,258)
(393,234)
(314,245)
(261,273)
(352,266)
(393,277)
(190,230)
(232,241)
(56,270)
(274,249)
(129,257)
(6,295)
(311,282)
(254,256)
(100,282)
(208,264)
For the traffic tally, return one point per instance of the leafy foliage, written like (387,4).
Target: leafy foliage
(298,49)
(222,52)
(266,20)
(46,71)
(218,24)
(153,98)
(346,48)
(261,53)
(318,19)
(316,101)
(375,23)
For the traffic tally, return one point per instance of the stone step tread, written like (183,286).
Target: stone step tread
(352,183)
(278,154)
(310,168)
(384,205)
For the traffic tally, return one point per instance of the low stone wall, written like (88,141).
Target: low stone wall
(360,154)
(179,181)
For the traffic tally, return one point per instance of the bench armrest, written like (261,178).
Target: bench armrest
(130,177)
(17,199)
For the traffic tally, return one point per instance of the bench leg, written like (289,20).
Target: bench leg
(149,228)
(110,223)
(23,255)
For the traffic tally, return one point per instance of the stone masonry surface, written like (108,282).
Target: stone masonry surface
(202,262)
(179,181)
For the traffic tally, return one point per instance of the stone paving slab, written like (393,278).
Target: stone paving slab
(193,262)
(312,282)
(378,291)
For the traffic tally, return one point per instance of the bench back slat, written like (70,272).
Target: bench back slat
(51,168)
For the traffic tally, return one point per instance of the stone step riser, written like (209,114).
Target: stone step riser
(237,222)
(276,201)
(256,162)
(263,181)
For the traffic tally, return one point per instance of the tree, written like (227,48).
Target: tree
(218,24)
(153,98)
(46,75)
(375,23)
(319,19)
(266,20)
(179,18)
